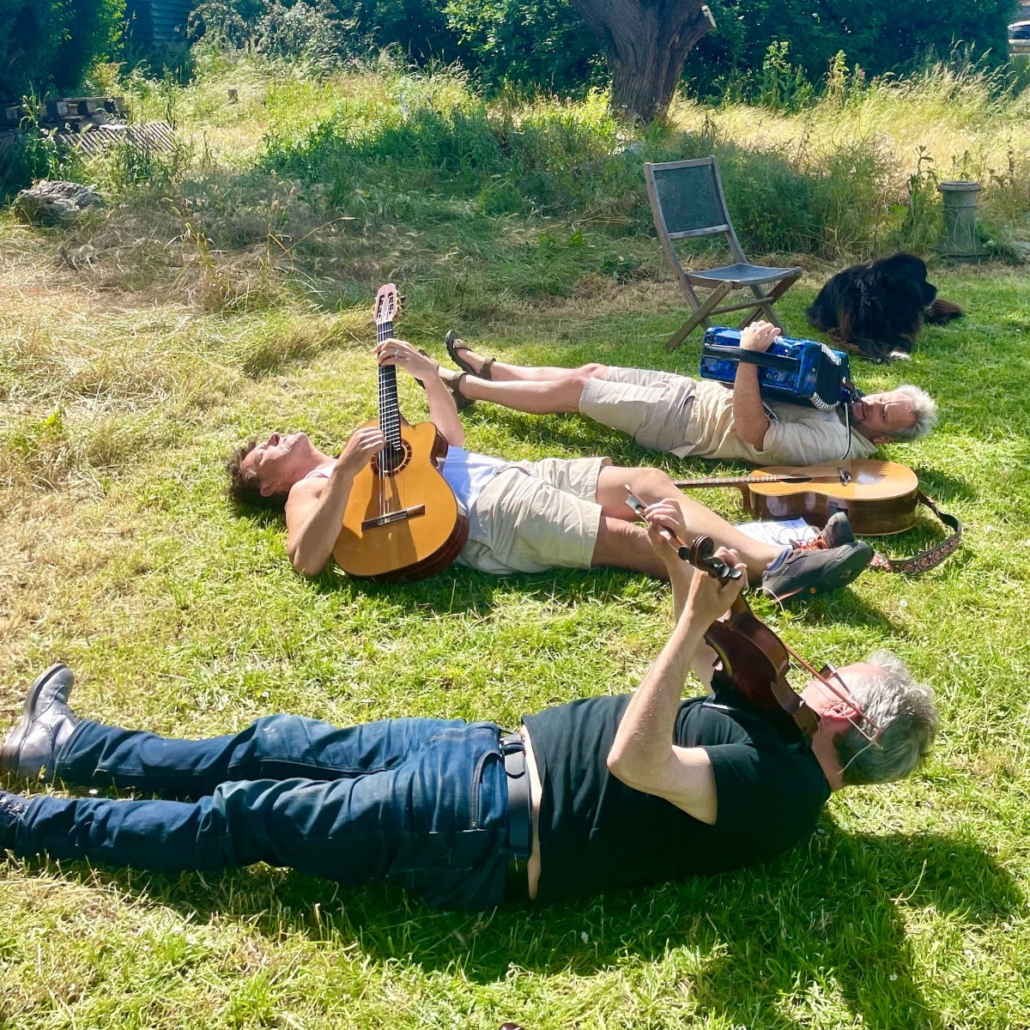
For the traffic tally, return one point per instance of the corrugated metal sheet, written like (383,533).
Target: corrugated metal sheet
(152,136)
(158,21)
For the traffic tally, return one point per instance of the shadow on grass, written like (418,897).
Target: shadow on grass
(829,916)
(459,590)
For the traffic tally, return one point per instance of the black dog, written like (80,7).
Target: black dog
(878,308)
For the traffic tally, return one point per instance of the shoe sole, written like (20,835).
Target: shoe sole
(834,579)
(11,749)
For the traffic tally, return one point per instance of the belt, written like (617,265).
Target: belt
(520,816)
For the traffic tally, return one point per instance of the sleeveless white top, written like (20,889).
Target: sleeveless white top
(465,471)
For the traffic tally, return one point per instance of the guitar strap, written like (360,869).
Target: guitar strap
(925,560)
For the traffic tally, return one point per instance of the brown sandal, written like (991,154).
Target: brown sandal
(450,340)
(452,380)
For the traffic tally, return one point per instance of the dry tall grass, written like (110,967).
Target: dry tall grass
(962,120)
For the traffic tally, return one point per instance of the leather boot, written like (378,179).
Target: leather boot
(30,750)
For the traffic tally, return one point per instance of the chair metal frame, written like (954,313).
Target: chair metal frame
(720,286)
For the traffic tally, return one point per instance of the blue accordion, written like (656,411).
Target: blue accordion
(797,371)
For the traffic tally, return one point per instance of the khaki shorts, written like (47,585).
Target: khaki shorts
(653,407)
(536,515)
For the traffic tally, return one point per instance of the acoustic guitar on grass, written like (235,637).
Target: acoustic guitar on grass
(402,521)
(879,497)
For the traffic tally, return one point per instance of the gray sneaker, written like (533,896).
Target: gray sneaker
(806,574)
(835,533)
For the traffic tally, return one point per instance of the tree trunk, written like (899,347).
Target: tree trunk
(646,43)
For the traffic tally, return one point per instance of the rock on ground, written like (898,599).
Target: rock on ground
(55,201)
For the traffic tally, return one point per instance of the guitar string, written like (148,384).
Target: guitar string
(382,454)
(389,422)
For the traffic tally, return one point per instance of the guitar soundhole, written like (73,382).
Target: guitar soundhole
(392,459)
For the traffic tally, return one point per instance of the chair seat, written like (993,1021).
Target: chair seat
(741,273)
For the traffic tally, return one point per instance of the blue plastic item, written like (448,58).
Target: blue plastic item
(797,371)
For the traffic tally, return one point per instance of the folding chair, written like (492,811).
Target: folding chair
(687,202)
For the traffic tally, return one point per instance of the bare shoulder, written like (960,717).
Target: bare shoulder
(303,497)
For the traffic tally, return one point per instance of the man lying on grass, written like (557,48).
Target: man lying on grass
(696,418)
(523,516)
(596,794)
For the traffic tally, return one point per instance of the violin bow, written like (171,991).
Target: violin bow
(842,695)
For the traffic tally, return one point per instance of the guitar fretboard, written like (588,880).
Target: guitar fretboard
(389,409)
(738,480)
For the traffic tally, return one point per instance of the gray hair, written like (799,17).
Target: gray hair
(903,709)
(925,408)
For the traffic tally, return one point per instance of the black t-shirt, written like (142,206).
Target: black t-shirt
(597,833)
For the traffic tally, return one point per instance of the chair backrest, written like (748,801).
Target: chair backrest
(687,201)
(689,197)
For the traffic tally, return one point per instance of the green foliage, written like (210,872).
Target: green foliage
(94,30)
(781,86)
(773,51)
(418,27)
(553,158)
(875,37)
(32,155)
(46,43)
(425,149)
(31,33)
(320,29)
(543,44)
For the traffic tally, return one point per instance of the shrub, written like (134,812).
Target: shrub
(294,28)
(46,43)
(876,37)
(536,44)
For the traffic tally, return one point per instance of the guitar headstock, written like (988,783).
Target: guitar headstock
(388,305)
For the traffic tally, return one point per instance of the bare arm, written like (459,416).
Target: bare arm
(643,755)
(750,421)
(315,508)
(681,574)
(442,412)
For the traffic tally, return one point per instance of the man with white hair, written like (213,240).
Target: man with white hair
(696,418)
(600,793)
(523,516)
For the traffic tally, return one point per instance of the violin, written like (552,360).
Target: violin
(754,662)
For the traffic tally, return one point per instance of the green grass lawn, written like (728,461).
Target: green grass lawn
(119,400)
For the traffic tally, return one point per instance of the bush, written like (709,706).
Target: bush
(874,36)
(51,43)
(311,28)
(536,44)
(31,33)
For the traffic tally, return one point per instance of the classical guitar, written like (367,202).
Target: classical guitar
(879,498)
(402,521)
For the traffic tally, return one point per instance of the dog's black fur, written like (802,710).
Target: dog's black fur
(877,309)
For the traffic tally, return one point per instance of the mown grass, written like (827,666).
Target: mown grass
(130,369)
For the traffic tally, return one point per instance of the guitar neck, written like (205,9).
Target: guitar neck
(389,408)
(687,484)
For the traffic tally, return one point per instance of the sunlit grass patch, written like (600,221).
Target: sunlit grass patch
(228,296)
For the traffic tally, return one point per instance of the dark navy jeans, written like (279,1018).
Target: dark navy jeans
(422,803)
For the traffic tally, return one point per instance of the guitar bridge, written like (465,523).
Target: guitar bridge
(394,516)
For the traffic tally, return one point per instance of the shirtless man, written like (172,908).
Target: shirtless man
(696,418)
(523,516)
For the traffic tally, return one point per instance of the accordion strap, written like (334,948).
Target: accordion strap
(925,560)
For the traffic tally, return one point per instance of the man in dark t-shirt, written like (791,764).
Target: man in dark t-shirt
(595,794)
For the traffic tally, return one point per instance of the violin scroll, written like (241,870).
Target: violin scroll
(701,554)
